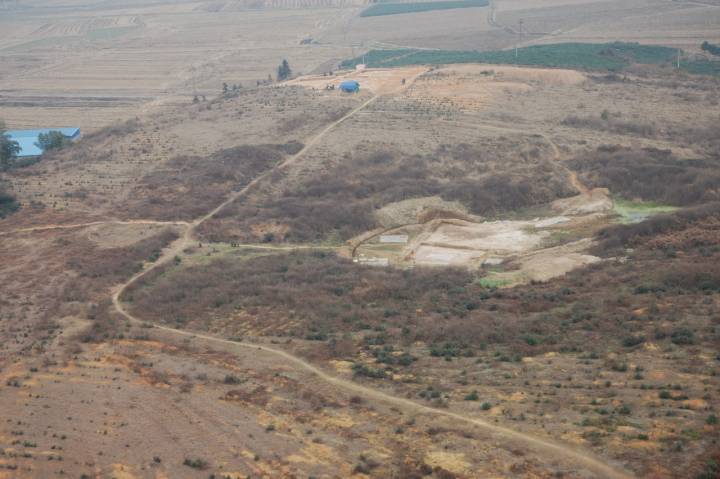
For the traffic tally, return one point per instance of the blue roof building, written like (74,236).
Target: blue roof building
(350,86)
(28,139)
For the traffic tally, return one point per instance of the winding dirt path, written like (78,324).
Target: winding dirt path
(581,458)
(93,223)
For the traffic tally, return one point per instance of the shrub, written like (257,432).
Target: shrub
(342,202)
(231,379)
(52,140)
(8,203)
(363,370)
(632,341)
(624,410)
(473,396)
(650,174)
(196,463)
(682,336)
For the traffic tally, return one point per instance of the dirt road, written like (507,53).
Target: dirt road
(93,223)
(581,458)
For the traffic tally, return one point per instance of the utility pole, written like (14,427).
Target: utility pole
(678,58)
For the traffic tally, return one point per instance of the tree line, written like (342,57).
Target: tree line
(8,150)
(710,48)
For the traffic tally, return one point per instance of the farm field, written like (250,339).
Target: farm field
(601,56)
(93,65)
(463,270)
(91,68)
(400,8)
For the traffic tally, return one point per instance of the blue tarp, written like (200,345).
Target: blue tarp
(27,139)
(350,86)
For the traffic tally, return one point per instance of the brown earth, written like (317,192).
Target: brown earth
(605,372)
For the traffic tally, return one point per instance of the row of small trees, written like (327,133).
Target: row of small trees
(710,48)
(9,149)
(283,73)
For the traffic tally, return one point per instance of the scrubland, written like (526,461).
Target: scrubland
(183,297)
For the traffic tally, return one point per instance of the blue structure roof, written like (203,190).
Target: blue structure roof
(27,139)
(350,85)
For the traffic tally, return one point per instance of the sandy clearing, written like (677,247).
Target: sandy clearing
(442,256)
(596,201)
(492,236)
(112,235)
(411,210)
(548,265)
(378,81)
(474,244)
(505,73)
(482,86)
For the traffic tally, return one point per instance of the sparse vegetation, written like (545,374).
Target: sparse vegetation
(196,185)
(617,359)
(341,202)
(650,174)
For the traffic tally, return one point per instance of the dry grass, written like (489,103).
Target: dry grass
(341,203)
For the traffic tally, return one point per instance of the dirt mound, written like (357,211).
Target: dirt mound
(597,201)
(515,251)
(419,210)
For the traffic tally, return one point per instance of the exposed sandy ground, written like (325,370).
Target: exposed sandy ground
(525,75)
(119,235)
(495,236)
(210,421)
(412,210)
(476,87)
(378,81)
(520,243)
(596,201)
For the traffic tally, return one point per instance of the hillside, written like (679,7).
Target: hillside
(475,266)
(152,259)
